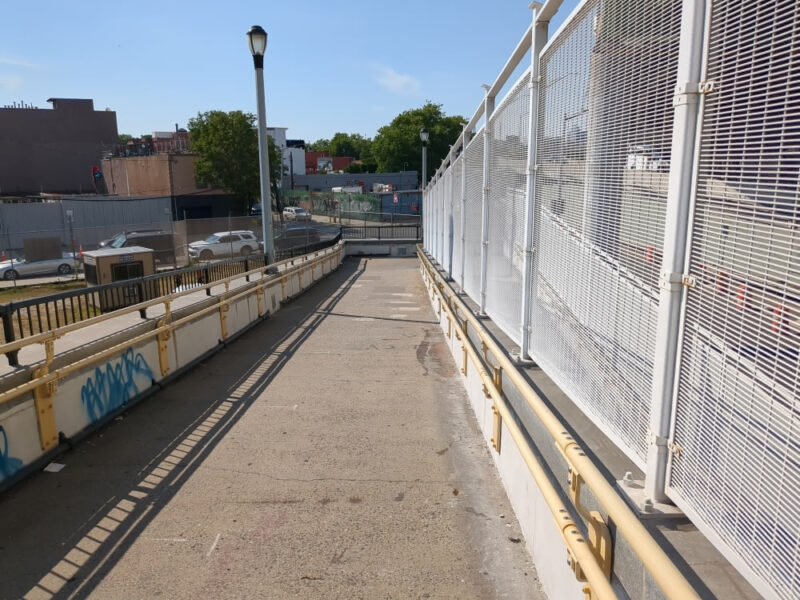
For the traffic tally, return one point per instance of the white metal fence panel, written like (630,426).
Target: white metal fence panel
(736,465)
(458,210)
(508,171)
(472,235)
(605,126)
(447,237)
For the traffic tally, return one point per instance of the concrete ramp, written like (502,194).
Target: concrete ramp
(330,452)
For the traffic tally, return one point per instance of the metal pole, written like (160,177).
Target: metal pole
(539,33)
(263,154)
(679,195)
(487,111)
(424,165)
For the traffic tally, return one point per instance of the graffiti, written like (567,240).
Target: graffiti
(115,383)
(8,464)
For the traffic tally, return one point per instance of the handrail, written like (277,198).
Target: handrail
(51,336)
(658,564)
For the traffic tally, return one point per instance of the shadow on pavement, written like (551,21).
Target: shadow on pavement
(60,533)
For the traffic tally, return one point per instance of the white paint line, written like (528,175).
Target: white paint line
(156,539)
(401,302)
(214,545)
(398,316)
(292,407)
(364,319)
(403,294)
(408,308)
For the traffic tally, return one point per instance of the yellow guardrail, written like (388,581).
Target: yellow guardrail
(591,561)
(42,376)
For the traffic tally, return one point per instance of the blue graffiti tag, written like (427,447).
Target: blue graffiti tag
(8,464)
(115,384)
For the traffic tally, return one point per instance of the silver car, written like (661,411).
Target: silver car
(22,268)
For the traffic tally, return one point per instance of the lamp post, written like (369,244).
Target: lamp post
(423,136)
(257,40)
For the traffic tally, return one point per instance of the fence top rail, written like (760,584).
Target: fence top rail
(286,265)
(544,12)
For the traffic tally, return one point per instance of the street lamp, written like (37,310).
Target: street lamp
(257,40)
(423,135)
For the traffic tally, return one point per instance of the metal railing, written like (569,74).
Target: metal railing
(32,316)
(381,232)
(592,560)
(276,274)
(590,557)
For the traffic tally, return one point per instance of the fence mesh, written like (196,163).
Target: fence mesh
(458,210)
(508,160)
(605,126)
(473,206)
(447,233)
(602,149)
(737,419)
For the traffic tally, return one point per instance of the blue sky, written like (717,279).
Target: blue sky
(330,66)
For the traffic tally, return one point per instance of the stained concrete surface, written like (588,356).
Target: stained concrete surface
(329,452)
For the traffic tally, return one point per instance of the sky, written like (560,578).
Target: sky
(330,66)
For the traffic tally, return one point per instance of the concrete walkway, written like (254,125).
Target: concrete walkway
(328,453)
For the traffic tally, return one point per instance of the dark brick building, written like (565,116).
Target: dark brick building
(44,150)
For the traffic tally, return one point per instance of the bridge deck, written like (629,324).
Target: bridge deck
(327,453)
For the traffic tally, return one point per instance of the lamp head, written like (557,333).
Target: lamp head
(423,135)
(257,40)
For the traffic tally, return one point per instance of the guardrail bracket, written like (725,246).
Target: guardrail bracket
(45,417)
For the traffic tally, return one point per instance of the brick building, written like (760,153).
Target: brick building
(53,150)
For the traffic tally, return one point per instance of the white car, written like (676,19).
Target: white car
(225,243)
(295,213)
(22,268)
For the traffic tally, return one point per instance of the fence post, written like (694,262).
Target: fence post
(539,34)
(671,290)
(207,277)
(8,333)
(488,104)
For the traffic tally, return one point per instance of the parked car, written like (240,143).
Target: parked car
(107,243)
(22,268)
(162,243)
(223,244)
(256,210)
(295,213)
(296,237)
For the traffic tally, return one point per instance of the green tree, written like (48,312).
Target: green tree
(124,138)
(398,143)
(228,147)
(321,145)
(350,144)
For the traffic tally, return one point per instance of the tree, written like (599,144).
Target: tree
(321,145)
(228,147)
(124,138)
(398,143)
(350,144)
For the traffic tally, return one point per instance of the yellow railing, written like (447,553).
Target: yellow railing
(42,375)
(591,561)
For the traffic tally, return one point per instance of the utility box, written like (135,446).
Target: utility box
(110,265)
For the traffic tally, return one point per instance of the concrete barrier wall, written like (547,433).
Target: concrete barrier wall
(88,397)
(543,539)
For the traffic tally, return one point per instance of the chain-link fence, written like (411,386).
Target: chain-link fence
(565,219)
